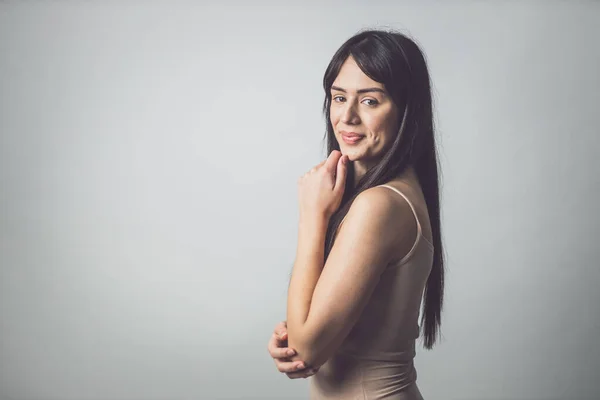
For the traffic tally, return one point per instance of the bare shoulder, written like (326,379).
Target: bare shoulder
(381,204)
(384,216)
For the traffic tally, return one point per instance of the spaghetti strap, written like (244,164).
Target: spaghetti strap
(412,207)
(414,211)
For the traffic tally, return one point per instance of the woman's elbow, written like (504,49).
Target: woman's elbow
(307,350)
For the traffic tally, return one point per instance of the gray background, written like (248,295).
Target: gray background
(148,162)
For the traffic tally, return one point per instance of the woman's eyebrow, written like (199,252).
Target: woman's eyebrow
(365,90)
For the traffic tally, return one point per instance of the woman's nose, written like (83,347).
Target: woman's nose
(350,116)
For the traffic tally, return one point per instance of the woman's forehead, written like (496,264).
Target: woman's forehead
(352,78)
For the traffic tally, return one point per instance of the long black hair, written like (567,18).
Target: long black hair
(396,61)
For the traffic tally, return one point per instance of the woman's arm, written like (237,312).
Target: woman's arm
(325,301)
(306,271)
(281,354)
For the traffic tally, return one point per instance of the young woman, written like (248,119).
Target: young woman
(369,241)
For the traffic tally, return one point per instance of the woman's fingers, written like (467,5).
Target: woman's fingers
(290,366)
(280,328)
(280,354)
(301,374)
(276,348)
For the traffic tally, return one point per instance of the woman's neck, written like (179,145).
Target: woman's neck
(360,169)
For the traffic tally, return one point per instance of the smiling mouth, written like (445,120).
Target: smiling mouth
(352,138)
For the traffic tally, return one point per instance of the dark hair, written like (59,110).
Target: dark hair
(396,61)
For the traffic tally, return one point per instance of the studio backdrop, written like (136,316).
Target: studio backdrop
(149,156)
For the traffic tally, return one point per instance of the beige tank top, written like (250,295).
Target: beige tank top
(375,361)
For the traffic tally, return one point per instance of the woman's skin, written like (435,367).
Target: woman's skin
(362,105)
(280,352)
(359,105)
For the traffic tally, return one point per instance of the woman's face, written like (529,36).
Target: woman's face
(363,115)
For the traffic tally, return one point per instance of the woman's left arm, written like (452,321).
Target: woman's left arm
(325,301)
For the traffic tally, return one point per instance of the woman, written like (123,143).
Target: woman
(369,241)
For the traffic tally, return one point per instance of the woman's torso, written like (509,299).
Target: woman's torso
(375,361)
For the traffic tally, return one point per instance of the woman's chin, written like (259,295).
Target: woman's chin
(352,155)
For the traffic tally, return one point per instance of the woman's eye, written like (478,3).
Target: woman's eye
(370,102)
(338,99)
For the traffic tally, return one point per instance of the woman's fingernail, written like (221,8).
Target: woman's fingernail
(291,352)
(300,366)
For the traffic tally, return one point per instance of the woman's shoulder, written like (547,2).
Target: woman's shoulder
(384,208)
(380,217)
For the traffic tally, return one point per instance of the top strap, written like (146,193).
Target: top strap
(412,207)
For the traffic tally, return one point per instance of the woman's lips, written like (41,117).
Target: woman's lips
(351,137)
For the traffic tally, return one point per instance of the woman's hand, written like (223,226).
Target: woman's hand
(320,190)
(280,353)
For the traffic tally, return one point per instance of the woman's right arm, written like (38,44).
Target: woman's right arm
(280,352)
